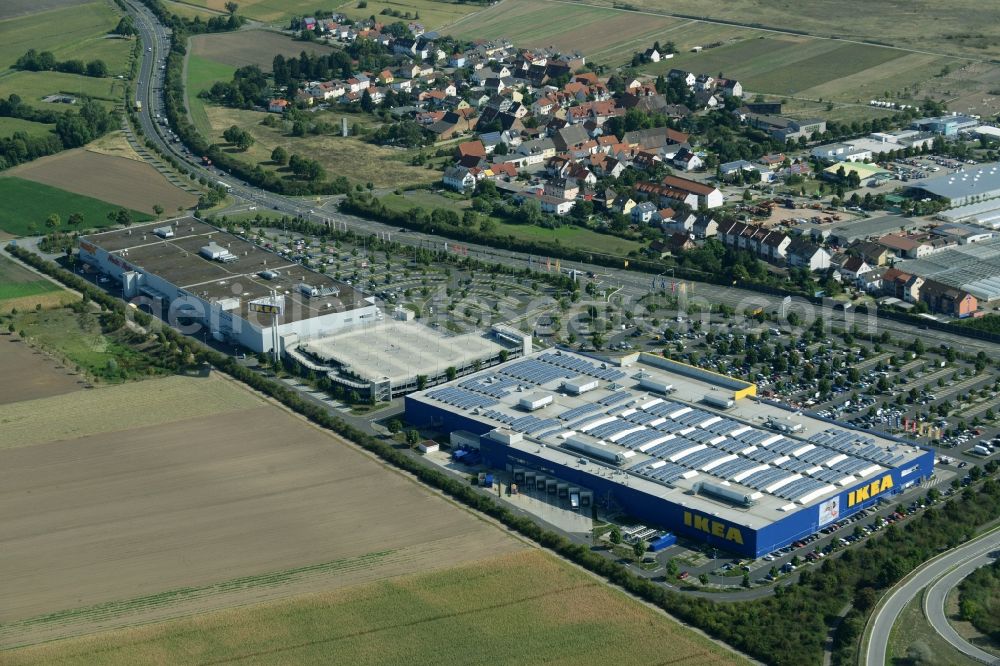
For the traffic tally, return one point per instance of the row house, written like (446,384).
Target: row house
(769,245)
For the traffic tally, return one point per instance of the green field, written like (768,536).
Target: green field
(17,281)
(434,14)
(527,607)
(26,206)
(33,86)
(568,235)
(842,61)
(10,125)
(71,32)
(201,74)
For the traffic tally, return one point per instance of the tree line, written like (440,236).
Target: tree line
(72,129)
(44,61)
(786,629)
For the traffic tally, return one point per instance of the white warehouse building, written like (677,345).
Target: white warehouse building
(192,274)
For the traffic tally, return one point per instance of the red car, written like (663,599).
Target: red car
(683,575)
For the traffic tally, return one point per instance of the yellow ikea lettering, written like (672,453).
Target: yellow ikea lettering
(874,488)
(713,527)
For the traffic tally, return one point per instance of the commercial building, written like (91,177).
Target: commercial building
(188,272)
(970,267)
(850,231)
(946,125)
(973,185)
(671,445)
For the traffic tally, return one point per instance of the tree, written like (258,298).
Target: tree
(158,209)
(279,156)
(231,7)
(52,222)
(97,69)
(746,580)
(75,219)
(451,373)
(123,217)
(125,27)
(367,105)
(703,578)
(639,549)
(412,437)
(394,426)
(616,535)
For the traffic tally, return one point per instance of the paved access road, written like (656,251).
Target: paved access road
(934,602)
(939,568)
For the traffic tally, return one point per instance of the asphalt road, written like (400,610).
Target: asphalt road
(882,622)
(934,602)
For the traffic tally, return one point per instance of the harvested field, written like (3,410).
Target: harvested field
(434,14)
(130,406)
(117,180)
(121,524)
(38,375)
(250,47)
(469,614)
(114,144)
(607,35)
(263,10)
(15,8)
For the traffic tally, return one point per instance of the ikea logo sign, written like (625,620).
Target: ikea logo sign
(874,488)
(713,527)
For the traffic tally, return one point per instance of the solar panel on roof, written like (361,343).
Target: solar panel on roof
(577,412)
(618,396)
(729,469)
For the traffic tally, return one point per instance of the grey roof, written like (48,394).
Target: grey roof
(977,180)
(973,268)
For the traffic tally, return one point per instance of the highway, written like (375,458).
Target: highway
(633,285)
(885,617)
(934,602)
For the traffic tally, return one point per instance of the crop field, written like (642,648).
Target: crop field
(15,8)
(187,10)
(966,27)
(117,180)
(34,86)
(524,607)
(68,30)
(121,507)
(10,125)
(38,375)
(354,158)
(434,14)
(27,204)
(249,47)
(606,35)
(17,283)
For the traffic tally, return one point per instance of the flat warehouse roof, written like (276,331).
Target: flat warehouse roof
(974,267)
(177,260)
(400,350)
(674,445)
(978,179)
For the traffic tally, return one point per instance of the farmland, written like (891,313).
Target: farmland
(606,35)
(248,47)
(15,8)
(39,376)
(215,501)
(116,180)
(201,74)
(966,27)
(434,14)
(553,614)
(28,204)
(82,33)
(19,286)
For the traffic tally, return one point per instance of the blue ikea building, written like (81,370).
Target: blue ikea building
(671,445)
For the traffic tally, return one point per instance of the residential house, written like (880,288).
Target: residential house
(652,55)
(873,253)
(805,254)
(555,205)
(561,188)
(643,213)
(767,244)
(948,300)
(854,269)
(688,78)
(622,205)
(470,148)
(902,285)
(687,160)
(708,196)
(681,242)
(459,179)
(277,105)
(729,87)
(704,82)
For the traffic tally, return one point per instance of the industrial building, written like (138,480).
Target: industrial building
(973,185)
(671,445)
(193,274)
(385,359)
(847,232)
(971,267)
